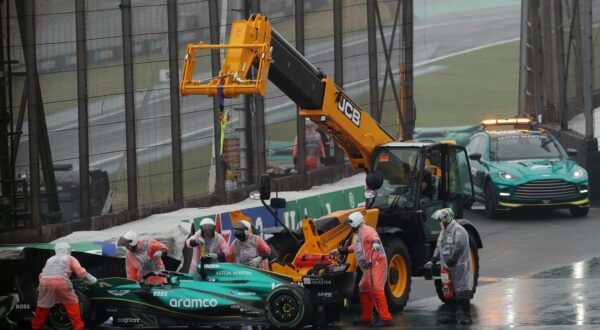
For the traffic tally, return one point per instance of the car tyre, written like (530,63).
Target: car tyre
(59,320)
(474,267)
(491,210)
(579,211)
(288,307)
(399,276)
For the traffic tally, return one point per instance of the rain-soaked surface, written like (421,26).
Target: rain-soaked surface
(562,298)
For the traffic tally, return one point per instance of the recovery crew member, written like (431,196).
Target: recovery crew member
(315,152)
(56,288)
(143,257)
(215,245)
(248,249)
(453,251)
(373,263)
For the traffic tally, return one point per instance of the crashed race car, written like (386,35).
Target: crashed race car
(223,294)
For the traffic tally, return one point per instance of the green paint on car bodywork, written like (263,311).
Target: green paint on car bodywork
(224,285)
(528,171)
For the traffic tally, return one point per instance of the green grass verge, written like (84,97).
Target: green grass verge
(427,9)
(155,180)
(470,87)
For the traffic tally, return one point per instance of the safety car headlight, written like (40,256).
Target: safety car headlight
(578,173)
(508,176)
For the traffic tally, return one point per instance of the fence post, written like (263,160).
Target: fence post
(82,114)
(300,127)
(129,106)
(373,57)
(175,103)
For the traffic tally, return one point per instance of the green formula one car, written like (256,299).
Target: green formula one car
(524,166)
(223,295)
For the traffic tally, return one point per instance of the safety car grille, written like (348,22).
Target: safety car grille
(545,189)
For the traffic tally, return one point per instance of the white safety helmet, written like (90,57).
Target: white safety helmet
(207,222)
(248,225)
(207,227)
(62,248)
(355,219)
(241,230)
(129,238)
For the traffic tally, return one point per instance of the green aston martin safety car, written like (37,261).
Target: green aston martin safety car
(524,166)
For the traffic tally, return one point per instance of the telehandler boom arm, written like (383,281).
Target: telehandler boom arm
(254,42)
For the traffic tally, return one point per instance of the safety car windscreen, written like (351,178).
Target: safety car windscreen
(523,145)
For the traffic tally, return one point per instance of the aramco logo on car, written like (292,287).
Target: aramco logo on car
(193,303)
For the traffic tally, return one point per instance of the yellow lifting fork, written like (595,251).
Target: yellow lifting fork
(249,43)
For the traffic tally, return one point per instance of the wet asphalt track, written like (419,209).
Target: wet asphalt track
(539,270)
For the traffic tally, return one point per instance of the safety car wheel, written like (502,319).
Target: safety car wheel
(474,268)
(399,274)
(579,211)
(490,202)
(288,307)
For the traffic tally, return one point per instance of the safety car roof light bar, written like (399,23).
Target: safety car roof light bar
(518,123)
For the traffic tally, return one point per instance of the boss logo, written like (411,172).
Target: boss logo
(348,109)
(22,306)
(159,293)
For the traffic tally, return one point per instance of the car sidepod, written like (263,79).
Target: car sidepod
(227,295)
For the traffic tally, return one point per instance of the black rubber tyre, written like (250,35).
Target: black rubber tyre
(490,202)
(579,211)
(475,268)
(59,320)
(93,317)
(282,247)
(24,325)
(397,290)
(288,307)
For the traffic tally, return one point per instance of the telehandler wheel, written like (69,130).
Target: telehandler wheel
(399,275)
(474,274)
